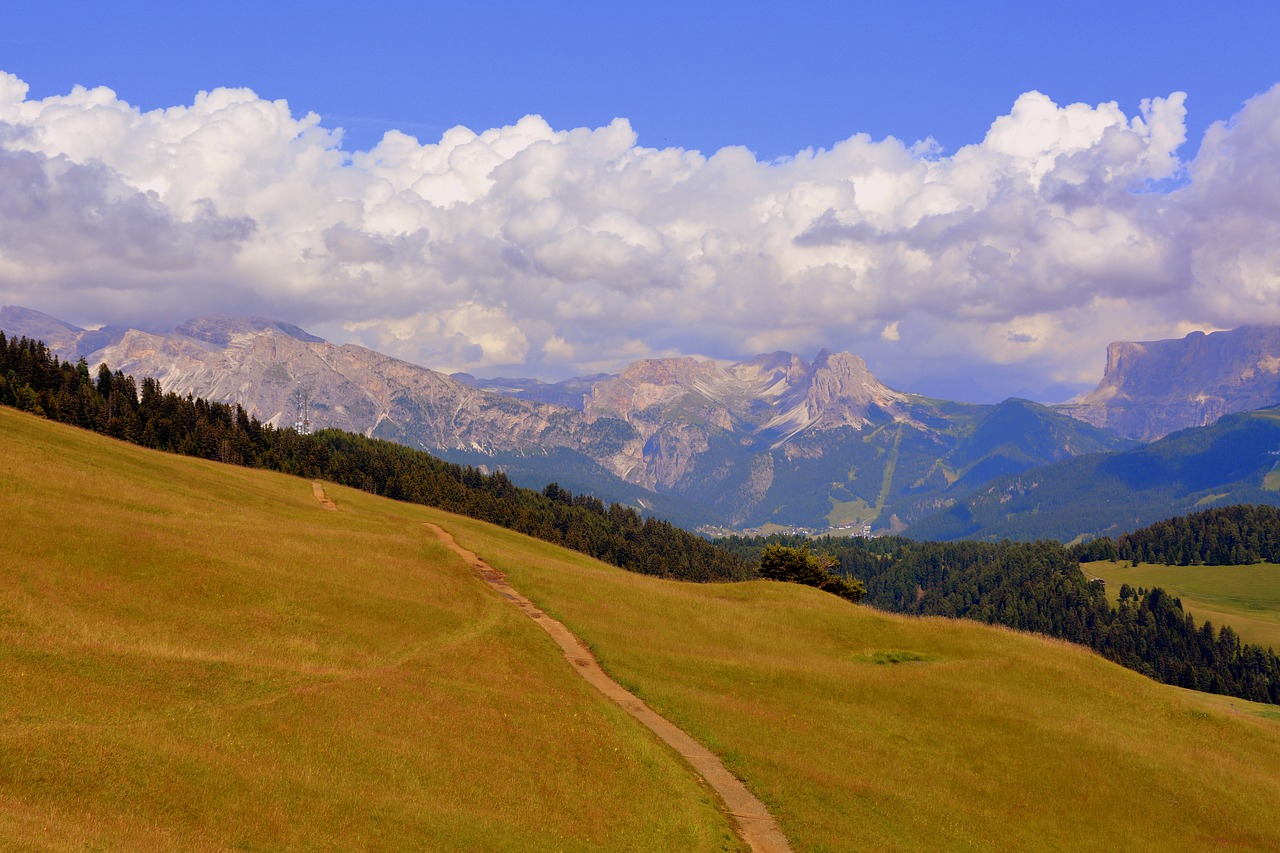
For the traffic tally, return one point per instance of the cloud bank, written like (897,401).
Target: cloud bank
(551,252)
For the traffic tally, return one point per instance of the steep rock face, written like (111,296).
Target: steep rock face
(779,393)
(267,366)
(837,390)
(743,436)
(1152,388)
(773,438)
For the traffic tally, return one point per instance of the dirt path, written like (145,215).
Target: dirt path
(756,825)
(318,490)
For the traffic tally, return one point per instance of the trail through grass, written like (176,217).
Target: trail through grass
(869,731)
(195,657)
(199,657)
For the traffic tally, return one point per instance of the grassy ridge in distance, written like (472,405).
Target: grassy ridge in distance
(1245,597)
(197,656)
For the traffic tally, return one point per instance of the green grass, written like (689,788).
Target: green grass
(856,511)
(977,738)
(1245,597)
(1271,482)
(196,657)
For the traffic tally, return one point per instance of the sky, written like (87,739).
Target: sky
(976,198)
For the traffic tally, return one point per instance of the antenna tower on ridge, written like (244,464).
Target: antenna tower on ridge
(302,409)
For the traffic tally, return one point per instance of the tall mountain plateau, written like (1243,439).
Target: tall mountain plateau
(772,439)
(1153,388)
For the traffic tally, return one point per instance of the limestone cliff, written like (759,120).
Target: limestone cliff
(1152,388)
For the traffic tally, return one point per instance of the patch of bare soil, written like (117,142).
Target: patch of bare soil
(754,823)
(321,496)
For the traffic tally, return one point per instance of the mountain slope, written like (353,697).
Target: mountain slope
(209,659)
(1111,493)
(771,439)
(870,731)
(200,656)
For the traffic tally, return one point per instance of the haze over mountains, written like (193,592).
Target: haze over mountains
(774,438)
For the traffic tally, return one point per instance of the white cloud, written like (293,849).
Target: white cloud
(529,247)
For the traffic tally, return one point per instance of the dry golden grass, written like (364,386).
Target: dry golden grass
(195,656)
(977,738)
(199,657)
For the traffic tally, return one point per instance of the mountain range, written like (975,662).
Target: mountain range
(1232,461)
(772,440)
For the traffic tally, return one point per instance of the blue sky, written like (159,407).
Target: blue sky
(1001,258)
(774,78)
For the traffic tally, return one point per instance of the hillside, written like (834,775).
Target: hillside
(1247,598)
(198,656)
(870,731)
(1099,494)
(201,656)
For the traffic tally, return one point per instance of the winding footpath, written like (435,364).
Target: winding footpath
(755,824)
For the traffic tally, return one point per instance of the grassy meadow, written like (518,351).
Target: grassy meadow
(1245,597)
(870,731)
(196,656)
(200,657)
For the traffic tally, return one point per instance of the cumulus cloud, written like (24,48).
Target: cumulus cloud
(552,251)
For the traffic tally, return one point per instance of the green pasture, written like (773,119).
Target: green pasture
(856,511)
(1245,597)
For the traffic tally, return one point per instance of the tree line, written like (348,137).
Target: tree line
(1038,586)
(1225,536)
(35,380)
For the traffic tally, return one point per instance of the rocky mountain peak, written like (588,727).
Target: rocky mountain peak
(220,330)
(745,441)
(773,375)
(837,390)
(1152,388)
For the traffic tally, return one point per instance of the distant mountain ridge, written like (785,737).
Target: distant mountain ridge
(1153,388)
(1233,461)
(774,438)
